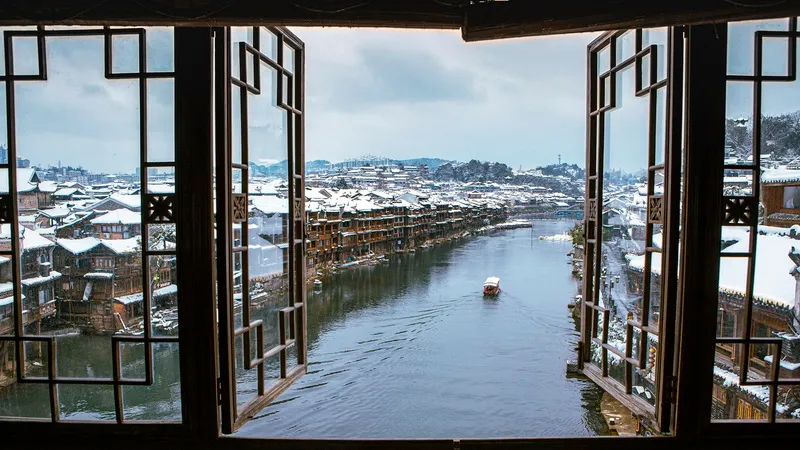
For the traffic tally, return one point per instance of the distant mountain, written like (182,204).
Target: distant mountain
(280,168)
(317,165)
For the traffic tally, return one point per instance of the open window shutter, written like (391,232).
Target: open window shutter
(260,236)
(631,235)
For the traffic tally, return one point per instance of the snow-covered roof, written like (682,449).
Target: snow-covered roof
(270,204)
(25,180)
(118,246)
(122,246)
(118,216)
(39,280)
(48,186)
(138,297)
(773,280)
(99,275)
(55,213)
(65,192)
(779,176)
(160,188)
(31,239)
(78,246)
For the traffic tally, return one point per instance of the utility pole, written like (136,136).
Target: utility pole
(559,159)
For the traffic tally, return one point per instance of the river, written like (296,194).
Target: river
(410,349)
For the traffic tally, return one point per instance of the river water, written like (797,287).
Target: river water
(410,349)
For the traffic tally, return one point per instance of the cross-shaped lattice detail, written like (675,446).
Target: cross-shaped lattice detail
(239,208)
(740,211)
(655,209)
(591,214)
(160,208)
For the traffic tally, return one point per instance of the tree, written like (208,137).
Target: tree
(341,183)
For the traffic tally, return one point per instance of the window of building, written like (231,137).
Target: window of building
(791,197)
(720,394)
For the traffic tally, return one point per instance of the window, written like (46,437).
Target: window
(757,262)
(246,327)
(262,314)
(622,347)
(720,394)
(791,197)
(112,90)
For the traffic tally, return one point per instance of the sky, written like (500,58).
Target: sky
(391,93)
(407,93)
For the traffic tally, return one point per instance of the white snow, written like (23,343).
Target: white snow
(781,175)
(558,237)
(270,204)
(773,280)
(138,297)
(24,183)
(100,275)
(39,280)
(785,364)
(78,246)
(30,238)
(730,379)
(119,216)
(55,213)
(122,246)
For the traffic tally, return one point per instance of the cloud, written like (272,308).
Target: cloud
(400,93)
(395,93)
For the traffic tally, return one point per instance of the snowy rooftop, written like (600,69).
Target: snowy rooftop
(119,216)
(31,239)
(781,175)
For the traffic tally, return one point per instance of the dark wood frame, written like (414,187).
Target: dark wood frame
(662,209)
(705,75)
(292,102)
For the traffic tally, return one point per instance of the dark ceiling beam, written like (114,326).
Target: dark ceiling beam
(480,20)
(352,13)
(508,19)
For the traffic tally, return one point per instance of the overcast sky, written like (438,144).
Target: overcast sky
(391,93)
(401,94)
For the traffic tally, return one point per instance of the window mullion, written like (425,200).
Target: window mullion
(704,142)
(194,175)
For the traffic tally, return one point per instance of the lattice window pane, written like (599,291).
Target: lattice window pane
(627,214)
(267,221)
(88,235)
(757,356)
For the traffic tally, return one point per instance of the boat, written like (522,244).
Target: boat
(491,286)
(317,283)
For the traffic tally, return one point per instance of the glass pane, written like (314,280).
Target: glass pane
(79,194)
(759,277)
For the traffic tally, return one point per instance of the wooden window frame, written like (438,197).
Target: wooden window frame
(705,57)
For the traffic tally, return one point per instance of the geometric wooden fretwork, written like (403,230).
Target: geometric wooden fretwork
(160,208)
(298,209)
(655,209)
(591,213)
(740,211)
(239,207)
(5,209)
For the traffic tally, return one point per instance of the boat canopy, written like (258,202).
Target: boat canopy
(492,281)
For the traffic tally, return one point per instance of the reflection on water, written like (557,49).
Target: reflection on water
(413,349)
(410,349)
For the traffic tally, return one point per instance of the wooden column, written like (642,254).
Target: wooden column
(706,51)
(194,214)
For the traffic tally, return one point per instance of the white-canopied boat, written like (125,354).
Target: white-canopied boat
(491,286)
